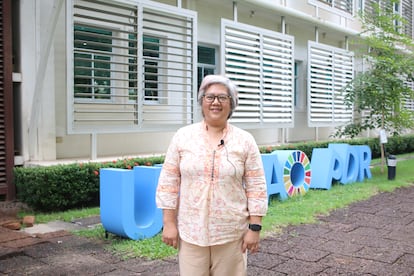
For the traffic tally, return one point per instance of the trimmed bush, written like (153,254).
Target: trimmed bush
(63,187)
(58,187)
(395,145)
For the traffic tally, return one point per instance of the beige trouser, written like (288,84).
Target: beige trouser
(217,260)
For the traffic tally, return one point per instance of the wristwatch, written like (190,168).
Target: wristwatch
(255,227)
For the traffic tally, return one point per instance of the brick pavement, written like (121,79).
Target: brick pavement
(371,237)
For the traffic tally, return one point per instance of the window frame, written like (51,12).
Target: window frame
(126,111)
(206,66)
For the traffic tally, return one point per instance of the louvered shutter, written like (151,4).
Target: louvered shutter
(134,66)
(6,103)
(330,69)
(409,103)
(407,13)
(261,64)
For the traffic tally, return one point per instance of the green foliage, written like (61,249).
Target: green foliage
(96,233)
(152,248)
(63,187)
(67,216)
(395,145)
(58,187)
(382,89)
(306,147)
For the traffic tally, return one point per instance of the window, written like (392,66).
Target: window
(92,74)
(360,5)
(344,5)
(151,52)
(206,63)
(403,8)
(132,66)
(397,10)
(151,68)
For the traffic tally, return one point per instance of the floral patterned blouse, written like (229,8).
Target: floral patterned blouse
(214,188)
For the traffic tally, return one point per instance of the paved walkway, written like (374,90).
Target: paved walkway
(372,237)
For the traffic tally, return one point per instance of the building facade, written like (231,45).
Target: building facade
(112,78)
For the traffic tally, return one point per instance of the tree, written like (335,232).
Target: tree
(380,93)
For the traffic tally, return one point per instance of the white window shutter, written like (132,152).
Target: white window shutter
(330,69)
(131,90)
(261,64)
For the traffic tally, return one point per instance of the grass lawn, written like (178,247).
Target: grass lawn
(293,211)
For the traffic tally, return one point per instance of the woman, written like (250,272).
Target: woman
(212,188)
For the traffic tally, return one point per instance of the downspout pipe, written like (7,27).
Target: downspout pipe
(270,5)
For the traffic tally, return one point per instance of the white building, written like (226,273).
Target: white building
(111,78)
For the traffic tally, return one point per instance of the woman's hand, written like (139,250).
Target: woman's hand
(170,235)
(251,241)
(170,230)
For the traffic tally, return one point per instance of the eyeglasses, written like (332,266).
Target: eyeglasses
(221,98)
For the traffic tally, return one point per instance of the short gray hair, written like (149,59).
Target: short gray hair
(219,79)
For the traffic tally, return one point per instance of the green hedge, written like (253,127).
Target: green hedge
(395,145)
(63,187)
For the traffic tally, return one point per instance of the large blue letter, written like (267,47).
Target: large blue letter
(273,174)
(350,162)
(364,153)
(326,166)
(127,202)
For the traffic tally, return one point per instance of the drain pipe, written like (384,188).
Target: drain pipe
(235,11)
(283,24)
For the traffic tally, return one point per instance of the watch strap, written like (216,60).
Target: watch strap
(255,227)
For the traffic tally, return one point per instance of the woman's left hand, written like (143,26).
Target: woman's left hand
(251,241)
